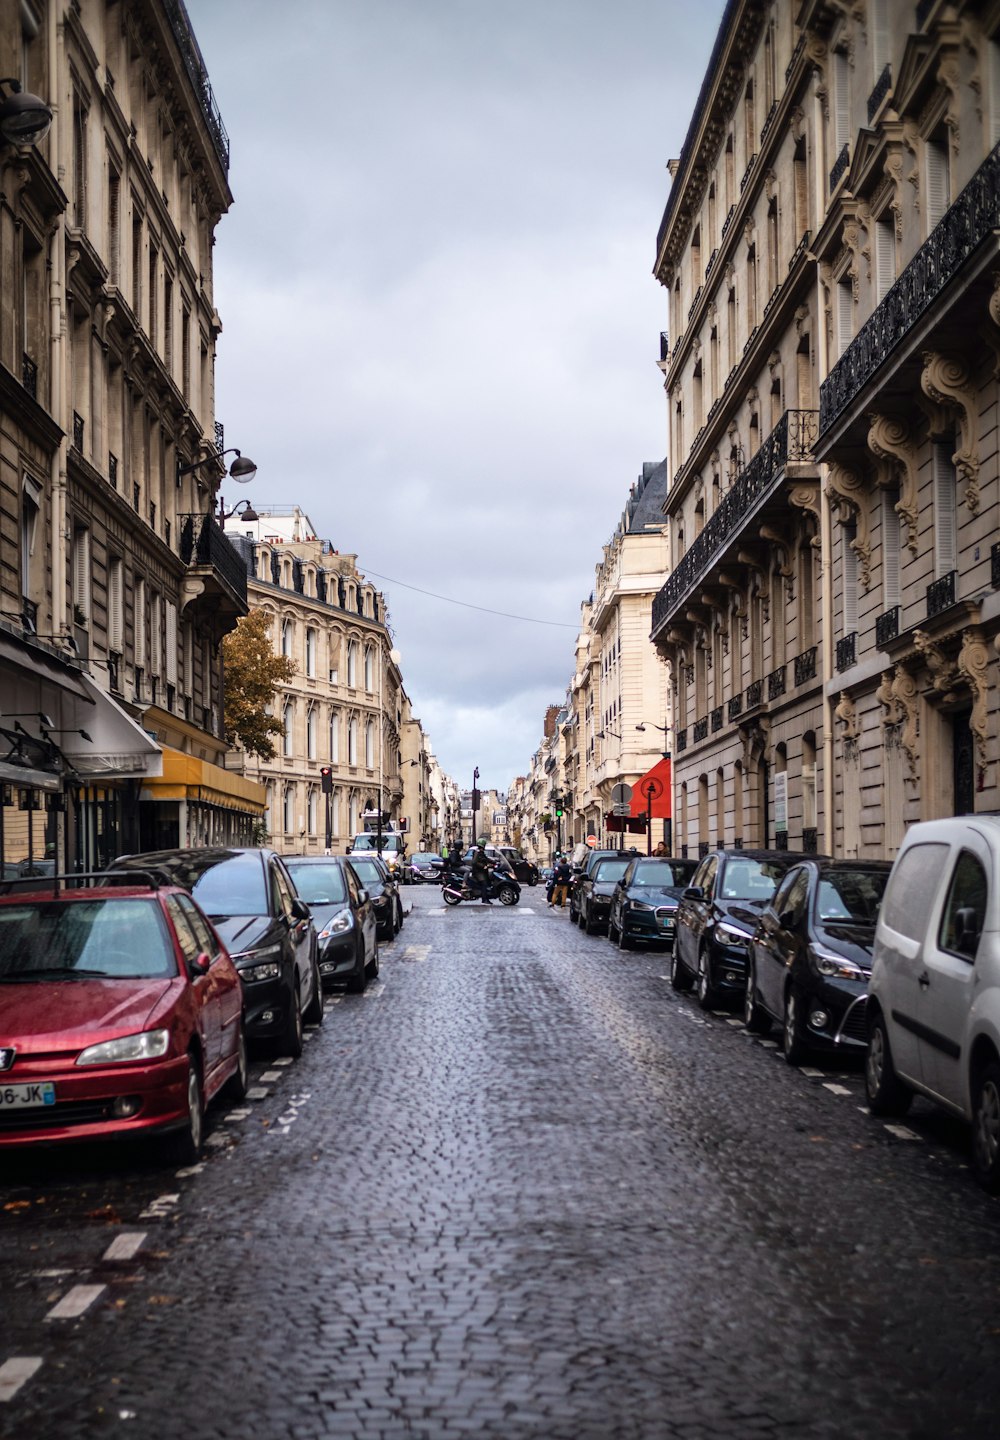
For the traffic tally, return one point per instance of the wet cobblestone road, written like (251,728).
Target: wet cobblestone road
(519,1188)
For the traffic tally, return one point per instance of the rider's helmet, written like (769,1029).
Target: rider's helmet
(481,844)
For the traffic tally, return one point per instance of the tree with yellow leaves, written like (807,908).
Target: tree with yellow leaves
(253,676)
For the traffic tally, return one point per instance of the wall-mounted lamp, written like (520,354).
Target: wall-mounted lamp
(24,118)
(242,469)
(653,723)
(602,734)
(242,508)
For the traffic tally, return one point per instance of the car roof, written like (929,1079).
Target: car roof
(11,893)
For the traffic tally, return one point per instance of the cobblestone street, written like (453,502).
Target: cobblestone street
(518,1188)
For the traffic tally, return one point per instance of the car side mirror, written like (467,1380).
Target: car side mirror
(300,909)
(201,964)
(363,896)
(348,849)
(694,892)
(967,930)
(786,919)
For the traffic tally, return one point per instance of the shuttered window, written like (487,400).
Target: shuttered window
(938,181)
(155,650)
(171,642)
(845,314)
(885,256)
(116,604)
(850,580)
(945,510)
(890,548)
(879,32)
(81,576)
(140,623)
(841,102)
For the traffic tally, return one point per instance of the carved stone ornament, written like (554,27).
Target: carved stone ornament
(782,557)
(973,664)
(950,76)
(912,141)
(894,169)
(887,699)
(754,738)
(846,714)
(904,690)
(943,672)
(805,496)
(945,379)
(889,439)
(849,489)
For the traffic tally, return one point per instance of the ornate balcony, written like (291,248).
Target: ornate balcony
(846,652)
(886,627)
(755,694)
(664,347)
(791,439)
(839,167)
(995,566)
(882,87)
(29,376)
(198,75)
(716,719)
(776,683)
(217,575)
(681,740)
(805,666)
(700,729)
(735,707)
(78,429)
(974,216)
(941,594)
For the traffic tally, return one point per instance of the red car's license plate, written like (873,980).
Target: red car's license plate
(27,1096)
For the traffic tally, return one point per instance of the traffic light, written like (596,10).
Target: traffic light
(326,779)
(559,810)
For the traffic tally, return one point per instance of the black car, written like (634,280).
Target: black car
(525,871)
(644,902)
(424,868)
(594,890)
(590,860)
(812,955)
(717,917)
(344,916)
(250,898)
(383,888)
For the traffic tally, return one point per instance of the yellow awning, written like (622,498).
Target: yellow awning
(185,778)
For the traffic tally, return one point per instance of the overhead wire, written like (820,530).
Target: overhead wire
(467,604)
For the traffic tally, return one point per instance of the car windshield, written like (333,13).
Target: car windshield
(425,859)
(234,886)
(84,940)
(663,872)
(851,896)
(318,884)
(748,879)
(608,870)
(369,872)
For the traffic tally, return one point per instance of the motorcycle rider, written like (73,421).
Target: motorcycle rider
(480,878)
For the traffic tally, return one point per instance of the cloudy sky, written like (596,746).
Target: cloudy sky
(440,322)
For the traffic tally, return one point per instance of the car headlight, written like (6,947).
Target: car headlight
(150,1045)
(731,935)
(836,967)
(338,925)
(639,905)
(252,974)
(263,954)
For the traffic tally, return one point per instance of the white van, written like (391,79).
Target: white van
(933,1009)
(391,851)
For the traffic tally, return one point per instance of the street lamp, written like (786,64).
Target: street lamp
(24,118)
(242,508)
(242,470)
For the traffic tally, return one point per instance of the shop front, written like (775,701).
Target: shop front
(193,803)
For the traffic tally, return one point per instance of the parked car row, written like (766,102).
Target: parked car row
(129,997)
(896,961)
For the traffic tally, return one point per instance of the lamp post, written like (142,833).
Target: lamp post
(475,803)
(668,824)
(242,470)
(24,118)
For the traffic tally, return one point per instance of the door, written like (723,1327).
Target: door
(906,921)
(963,764)
(227,999)
(781,942)
(300,931)
(949,978)
(205,987)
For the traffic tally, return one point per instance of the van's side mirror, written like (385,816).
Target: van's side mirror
(300,909)
(694,892)
(967,930)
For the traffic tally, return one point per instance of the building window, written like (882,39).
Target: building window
(81,576)
(840,109)
(352,664)
(312,810)
(311,653)
(311,733)
(369,668)
(114,225)
(287,638)
(938,179)
(352,741)
(334,737)
(287,719)
(885,255)
(335,812)
(945,510)
(370,745)
(849,535)
(352,814)
(79,162)
(289,816)
(844,313)
(116,604)
(891,549)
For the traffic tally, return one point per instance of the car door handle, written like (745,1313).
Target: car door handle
(924,980)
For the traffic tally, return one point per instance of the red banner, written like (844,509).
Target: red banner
(654,788)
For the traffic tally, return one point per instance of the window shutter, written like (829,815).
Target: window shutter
(938,188)
(945,510)
(171,642)
(841,102)
(890,548)
(845,315)
(994,65)
(879,36)
(850,580)
(140,623)
(155,658)
(885,256)
(81,571)
(116,606)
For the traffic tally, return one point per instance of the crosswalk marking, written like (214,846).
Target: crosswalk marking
(75,1302)
(125,1246)
(15,1372)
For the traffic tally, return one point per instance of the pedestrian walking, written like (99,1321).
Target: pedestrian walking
(560,882)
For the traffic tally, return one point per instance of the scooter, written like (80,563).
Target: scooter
(456,888)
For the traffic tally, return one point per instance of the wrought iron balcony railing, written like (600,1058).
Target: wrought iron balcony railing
(728,220)
(203,542)
(716,719)
(791,439)
(886,627)
(809,845)
(846,652)
(805,666)
(964,226)
(664,346)
(735,707)
(78,429)
(755,694)
(839,166)
(882,87)
(29,376)
(681,740)
(995,566)
(198,75)
(700,729)
(941,594)
(776,683)
(113,470)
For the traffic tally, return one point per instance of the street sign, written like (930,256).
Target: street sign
(620,810)
(621,795)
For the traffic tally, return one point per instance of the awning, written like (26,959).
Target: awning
(185,778)
(659,779)
(118,748)
(40,663)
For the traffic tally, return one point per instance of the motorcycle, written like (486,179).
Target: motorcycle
(502,887)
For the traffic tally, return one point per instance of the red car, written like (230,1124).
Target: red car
(121,1014)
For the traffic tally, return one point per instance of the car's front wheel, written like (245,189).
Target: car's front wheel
(625,942)
(189,1141)
(793,1039)
(238,1082)
(705,989)
(986,1128)
(756,1019)
(887,1095)
(680,980)
(374,963)
(292,1039)
(314,1011)
(358,978)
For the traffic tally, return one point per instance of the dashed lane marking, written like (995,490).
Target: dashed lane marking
(269,1077)
(15,1372)
(159,1208)
(240,1114)
(836,1089)
(812,1073)
(258,1092)
(125,1246)
(283,1060)
(75,1302)
(902,1133)
(416,952)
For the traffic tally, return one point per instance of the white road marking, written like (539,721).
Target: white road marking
(258,1092)
(416,952)
(240,1114)
(374,992)
(902,1133)
(836,1089)
(189,1170)
(732,1020)
(768,1044)
(159,1207)
(125,1245)
(813,1074)
(75,1302)
(15,1372)
(269,1077)
(285,1060)
(53,1274)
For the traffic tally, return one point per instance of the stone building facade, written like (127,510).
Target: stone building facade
(116,584)
(831,611)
